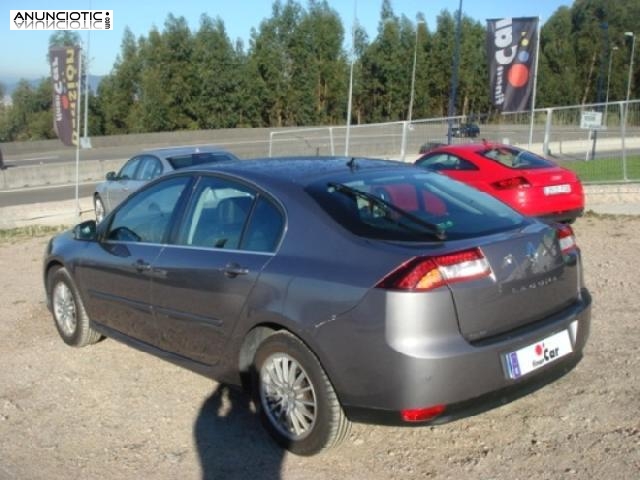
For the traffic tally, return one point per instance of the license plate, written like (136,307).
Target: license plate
(556,189)
(539,354)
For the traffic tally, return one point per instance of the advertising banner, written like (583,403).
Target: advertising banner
(65,74)
(512,49)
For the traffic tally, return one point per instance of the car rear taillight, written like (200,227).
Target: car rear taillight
(422,414)
(427,273)
(511,183)
(566,238)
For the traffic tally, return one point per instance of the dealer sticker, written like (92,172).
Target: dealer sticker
(537,355)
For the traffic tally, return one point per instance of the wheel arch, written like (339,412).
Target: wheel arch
(252,341)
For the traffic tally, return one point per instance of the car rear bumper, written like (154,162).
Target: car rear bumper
(470,407)
(565,216)
(466,378)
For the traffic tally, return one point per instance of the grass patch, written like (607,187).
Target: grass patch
(20,233)
(604,169)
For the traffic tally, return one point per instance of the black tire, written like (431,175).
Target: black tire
(320,420)
(98,208)
(68,312)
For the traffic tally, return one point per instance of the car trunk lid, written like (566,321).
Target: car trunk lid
(531,279)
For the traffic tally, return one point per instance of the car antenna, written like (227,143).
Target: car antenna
(353,166)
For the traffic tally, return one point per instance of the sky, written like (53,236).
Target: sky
(23,53)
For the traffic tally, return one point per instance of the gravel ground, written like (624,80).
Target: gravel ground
(108,411)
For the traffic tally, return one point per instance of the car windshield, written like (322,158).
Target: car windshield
(414,206)
(516,158)
(192,159)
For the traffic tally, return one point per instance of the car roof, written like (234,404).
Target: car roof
(167,152)
(301,170)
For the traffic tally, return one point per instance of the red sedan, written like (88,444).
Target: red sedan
(528,183)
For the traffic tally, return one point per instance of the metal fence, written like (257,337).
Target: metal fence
(604,151)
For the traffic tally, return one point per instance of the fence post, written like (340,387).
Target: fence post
(624,108)
(270,143)
(403,146)
(547,131)
(333,150)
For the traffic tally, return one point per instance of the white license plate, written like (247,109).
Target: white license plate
(556,189)
(539,354)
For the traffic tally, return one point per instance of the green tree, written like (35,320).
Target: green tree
(30,116)
(320,64)
(272,60)
(119,92)
(167,82)
(386,69)
(218,73)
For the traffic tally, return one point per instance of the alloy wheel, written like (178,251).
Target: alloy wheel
(288,397)
(64,308)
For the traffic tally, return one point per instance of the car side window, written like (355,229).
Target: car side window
(438,161)
(128,171)
(217,214)
(445,161)
(150,168)
(465,164)
(265,228)
(146,215)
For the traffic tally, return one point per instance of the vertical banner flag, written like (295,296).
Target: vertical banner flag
(511,46)
(66,92)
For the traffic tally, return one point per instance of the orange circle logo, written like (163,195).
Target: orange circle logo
(518,75)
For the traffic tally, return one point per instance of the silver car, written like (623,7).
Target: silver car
(335,290)
(148,165)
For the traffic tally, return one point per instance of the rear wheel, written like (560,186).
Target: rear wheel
(297,403)
(68,311)
(98,206)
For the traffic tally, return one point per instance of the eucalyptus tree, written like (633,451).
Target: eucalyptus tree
(120,92)
(218,71)
(320,65)
(272,59)
(387,64)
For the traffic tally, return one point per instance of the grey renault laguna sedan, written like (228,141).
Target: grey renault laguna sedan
(336,290)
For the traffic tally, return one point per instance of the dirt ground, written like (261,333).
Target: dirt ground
(109,411)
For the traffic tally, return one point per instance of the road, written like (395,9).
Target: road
(45,194)
(69,156)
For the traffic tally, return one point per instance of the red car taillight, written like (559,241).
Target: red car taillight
(511,183)
(427,273)
(422,414)
(566,238)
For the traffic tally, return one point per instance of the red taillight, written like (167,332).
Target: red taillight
(427,273)
(422,414)
(511,183)
(566,238)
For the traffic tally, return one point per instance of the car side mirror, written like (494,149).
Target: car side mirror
(111,176)
(86,231)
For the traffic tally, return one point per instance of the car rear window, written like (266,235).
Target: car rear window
(192,159)
(516,158)
(411,205)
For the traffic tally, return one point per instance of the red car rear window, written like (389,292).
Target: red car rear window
(516,158)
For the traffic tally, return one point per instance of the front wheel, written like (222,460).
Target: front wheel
(296,401)
(69,314)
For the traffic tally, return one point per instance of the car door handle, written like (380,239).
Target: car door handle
(141,266)
(232,270)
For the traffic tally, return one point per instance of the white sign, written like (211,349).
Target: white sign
(591,120)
